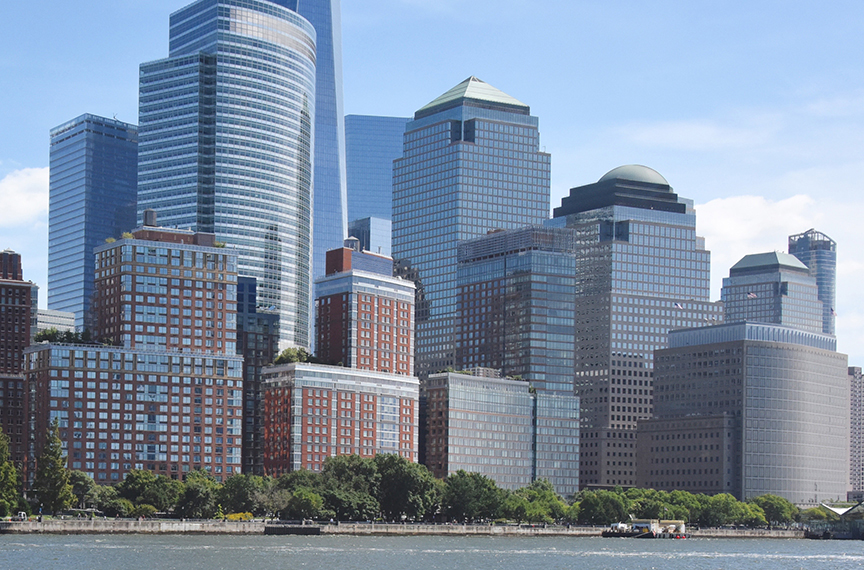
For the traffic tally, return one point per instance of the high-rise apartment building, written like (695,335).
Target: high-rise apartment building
(371,145)
(258,343)
(516,305)
(471,163)
(163,388)
(365,315)
(226,135)
(641,272)
(92,193)
(772,288)
(819,253)
(16,308)
(503,429)
(312,412)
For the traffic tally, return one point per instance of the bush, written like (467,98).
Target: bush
(239,517)
(4,508)
(143,511)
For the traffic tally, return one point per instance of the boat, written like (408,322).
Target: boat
(647,528)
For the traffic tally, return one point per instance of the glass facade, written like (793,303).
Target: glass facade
(471,163)
(819,253)
(371,145)
(226,143)
(331,198)
(499,428)
(641,272)
(856,423)
(515,305)
(773,288)
(92,194)
(373,233)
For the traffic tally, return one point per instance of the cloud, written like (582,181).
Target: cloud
(701,135)
(24,195)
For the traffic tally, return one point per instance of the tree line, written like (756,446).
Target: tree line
(384,487)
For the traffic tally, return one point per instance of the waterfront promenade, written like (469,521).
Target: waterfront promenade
(170,526)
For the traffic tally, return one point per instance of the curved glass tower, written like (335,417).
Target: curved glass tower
(226,140)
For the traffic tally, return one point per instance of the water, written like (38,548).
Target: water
(172,552)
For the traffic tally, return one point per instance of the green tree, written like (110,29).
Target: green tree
(602,507)
(406,489)
(472,496)
(238,493)
(52,478)
(163,493)
(82,487)
(300,478)
(304,504)
(9,478)
(272,499)
(135,484)
(198,500)
(290,355)
(778,511)
(349,486)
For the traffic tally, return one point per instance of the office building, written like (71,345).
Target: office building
(471,163)
(749,409)
(331,199)
(162,389)
(641,272)
(502,429)
(516,291)
(312,412)
(772,288)
(226,134)
(258,343)
(61,320)
(371,145)
(92,194)
(819,253)
(374,234)
(856,433)
(365,315)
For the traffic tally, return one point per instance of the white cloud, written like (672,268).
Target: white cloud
(24,195)
(702,135)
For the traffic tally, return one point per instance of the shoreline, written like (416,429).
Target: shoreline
(167,526)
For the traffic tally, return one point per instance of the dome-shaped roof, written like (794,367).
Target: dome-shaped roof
(636,173)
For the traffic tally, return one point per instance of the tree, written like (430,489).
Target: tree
(406,489)
(602,507)
(238,493)
(198,500)
(52,478)
(272,498)
(473,496)
(163,493)
(82,487)
(135,484)
(290,355)
(778,511)
(9,478)
(304,504)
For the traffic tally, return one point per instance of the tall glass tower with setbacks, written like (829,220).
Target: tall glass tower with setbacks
(226,143)
(819,253)
(471,163)
(330,216)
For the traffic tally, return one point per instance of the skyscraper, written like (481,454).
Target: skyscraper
(641,272)
(471,163)
(819,253)
(772,288)
(371,145)
(331,199)
(91,196)
(226,143)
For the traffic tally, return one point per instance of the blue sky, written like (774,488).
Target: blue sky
(755,109)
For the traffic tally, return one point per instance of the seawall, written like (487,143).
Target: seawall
(167,526)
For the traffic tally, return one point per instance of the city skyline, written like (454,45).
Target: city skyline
(760,124)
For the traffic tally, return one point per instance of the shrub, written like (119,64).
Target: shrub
(239,517)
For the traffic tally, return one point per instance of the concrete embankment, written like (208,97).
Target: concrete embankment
(113,526)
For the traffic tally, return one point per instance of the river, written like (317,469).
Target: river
(176,552)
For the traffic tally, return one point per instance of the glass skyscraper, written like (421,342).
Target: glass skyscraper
(331,200)
(226,135)
(819,253)
(371,145)
(641,272)
(471,163)
(91,197)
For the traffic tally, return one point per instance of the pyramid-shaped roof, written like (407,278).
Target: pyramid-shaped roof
(774,259)
(475,91)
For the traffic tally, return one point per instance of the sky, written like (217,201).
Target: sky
(753,109)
